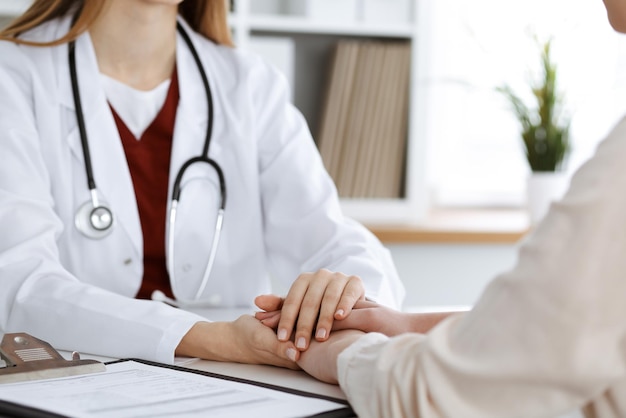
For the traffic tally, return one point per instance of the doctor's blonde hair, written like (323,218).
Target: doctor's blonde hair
(208,17)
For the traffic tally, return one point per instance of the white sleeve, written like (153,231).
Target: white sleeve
(304,225)
(545,338)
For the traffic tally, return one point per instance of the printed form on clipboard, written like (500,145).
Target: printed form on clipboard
(137,388)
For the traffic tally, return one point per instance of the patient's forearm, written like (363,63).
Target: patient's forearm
(425,321)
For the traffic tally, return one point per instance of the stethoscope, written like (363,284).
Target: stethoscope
(95,220)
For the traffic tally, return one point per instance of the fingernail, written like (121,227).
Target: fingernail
(282,334)
(301,343)
(321,333)
(291,354)
(339,312)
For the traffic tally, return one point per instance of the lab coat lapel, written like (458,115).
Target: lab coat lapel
(110,169)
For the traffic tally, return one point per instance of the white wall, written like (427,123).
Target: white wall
(437,275)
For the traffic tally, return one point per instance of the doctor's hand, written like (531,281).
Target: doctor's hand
(313,303)
(244,340)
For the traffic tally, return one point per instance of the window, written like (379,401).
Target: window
(475,153)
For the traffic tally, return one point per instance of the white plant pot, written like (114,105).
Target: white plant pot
(543,188)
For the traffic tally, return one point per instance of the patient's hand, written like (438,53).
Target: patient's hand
(368,316)
(371,317)
(320,360)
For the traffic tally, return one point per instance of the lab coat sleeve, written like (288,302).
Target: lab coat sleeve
(37,294)
(305,229)
(545,338)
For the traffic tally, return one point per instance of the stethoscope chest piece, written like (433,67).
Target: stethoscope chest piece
(95,222)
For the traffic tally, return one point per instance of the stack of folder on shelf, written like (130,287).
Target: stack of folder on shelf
(363,130)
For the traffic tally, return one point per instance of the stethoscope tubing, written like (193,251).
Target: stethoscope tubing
(91,229)
(207,88)
(203,158)
(91,183)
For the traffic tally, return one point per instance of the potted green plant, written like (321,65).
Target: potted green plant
(545,133)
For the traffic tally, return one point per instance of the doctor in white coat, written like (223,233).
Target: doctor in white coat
(75,285)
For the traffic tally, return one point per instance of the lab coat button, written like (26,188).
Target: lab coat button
(186,267)
(128,261)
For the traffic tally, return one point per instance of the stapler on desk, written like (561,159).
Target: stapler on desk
(24,357)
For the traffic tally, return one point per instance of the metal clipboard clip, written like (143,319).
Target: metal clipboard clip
(24,357)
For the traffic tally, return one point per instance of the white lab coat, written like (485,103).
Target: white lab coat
(282,214)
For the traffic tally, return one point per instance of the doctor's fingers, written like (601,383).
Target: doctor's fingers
(257,344)
(329,295)
(309,285)
(276,353)
(339,300)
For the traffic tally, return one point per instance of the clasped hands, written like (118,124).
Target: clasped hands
(324,302)
(321,315)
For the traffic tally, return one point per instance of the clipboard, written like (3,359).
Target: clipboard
(346,411)
(343,412)
(24,357)
(31,408)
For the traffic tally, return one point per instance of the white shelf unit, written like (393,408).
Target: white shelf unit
(314,40)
